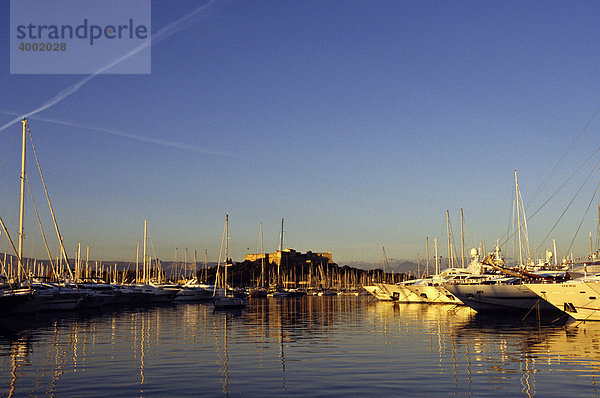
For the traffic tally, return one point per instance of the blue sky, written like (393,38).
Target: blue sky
(358,122)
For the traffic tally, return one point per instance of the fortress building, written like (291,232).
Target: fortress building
(291,256)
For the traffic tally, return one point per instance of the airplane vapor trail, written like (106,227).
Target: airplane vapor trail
(119,133)
(157,37)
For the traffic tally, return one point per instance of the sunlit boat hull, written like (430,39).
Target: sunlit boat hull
(505,298)
(580,300)
(379,292)
(433,294)
(403,294)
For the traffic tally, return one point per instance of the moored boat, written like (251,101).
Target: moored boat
(193,293)
(506,295)
(578,298)
(278,294)
(226,300)
(379,291)
(229,302)
(10,299)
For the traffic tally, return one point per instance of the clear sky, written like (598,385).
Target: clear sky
(359,122)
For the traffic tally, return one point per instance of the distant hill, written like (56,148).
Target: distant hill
(405,266)
(395,265)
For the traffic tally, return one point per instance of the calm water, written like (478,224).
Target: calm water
(311,346)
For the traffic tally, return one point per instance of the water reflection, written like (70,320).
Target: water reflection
(574,348)
(315,346)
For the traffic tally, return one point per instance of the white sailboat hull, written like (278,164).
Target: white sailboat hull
(193,294)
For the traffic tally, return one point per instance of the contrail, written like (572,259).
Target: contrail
(124,134)
(157,37)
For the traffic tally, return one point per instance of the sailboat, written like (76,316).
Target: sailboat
(36,296)
(149,291)
(508,293)
(226,301)
(260,291)
(14,296)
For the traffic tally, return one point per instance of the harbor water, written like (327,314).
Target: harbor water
(308,346)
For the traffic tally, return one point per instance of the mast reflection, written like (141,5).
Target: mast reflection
(275,342)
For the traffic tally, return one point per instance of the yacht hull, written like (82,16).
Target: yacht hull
(581,301)
(379,291)
(505,298)
(403,294)
(434,294)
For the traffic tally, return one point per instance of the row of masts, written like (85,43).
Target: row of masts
(522,255)
(186,270)
(86,270)
(60,269)
(323,276)
(151,269)
(452,261)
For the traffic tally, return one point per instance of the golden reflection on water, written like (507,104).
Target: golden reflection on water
(220,334)
(578,344)
(273,338)
(494,347)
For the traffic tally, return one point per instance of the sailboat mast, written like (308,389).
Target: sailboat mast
(281,236)
(22,198)
(518,219)
(262,257)
(137,254)
(176,264)
(78,264)
(427,254)
(145,239)
(226,249)
(598,230)
(450,256)
(462,239)
(383,260)
(185,253)
(205,269)
(437,265)
(280,254)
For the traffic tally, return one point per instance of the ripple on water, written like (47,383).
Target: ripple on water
(312,346)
